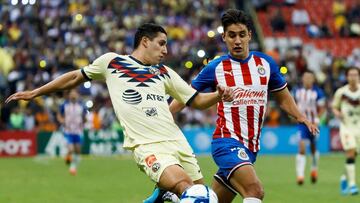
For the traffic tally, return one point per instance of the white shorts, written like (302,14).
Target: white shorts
(350,138)
(153,158)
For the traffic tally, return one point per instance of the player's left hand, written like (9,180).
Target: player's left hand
(226,93)
(25,95)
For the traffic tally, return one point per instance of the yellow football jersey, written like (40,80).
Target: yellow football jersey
(138,94)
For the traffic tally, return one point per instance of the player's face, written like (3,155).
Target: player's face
(156,48)
(73,96)
(308,80)
(353,77)
(237,38)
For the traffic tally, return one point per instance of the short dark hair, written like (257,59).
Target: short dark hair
(149,30)
(352,68)
(309,71)
(234,16)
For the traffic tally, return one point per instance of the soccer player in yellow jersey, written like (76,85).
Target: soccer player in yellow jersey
(138,85)
(346,107)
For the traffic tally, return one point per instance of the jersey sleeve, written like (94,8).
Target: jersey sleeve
(62,109)
(337,99)
(206,79)
(97,70)
(176,87)
(277,81)
(84,109)
(320,100)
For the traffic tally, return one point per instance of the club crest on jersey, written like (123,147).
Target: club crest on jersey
(154,70)
(261,70)
(155,167)
(242,154)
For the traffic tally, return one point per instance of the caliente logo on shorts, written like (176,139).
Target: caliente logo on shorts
(242,154)
(131,96)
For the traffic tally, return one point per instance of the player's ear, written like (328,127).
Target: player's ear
(223,36)
(145,42)
(250,35)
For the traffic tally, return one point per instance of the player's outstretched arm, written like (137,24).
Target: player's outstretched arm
(287,103)
(65,81)
(337,113)
(205,100)
(176,106)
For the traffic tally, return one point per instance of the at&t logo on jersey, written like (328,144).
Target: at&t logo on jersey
(131,96)
(154,97)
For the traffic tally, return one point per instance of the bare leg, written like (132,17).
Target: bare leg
(175,179)
(224,194)
(246,182)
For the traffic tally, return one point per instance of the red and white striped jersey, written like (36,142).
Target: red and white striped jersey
(308,101)
(251,79)
(74,114)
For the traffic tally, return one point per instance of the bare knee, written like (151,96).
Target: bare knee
(200,181)
(254,189)
(181,186)
(175,179)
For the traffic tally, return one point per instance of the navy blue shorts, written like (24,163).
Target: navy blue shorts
(73,138)
(229,154)
(305,134)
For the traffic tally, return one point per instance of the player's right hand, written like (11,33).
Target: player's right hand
(25,95)
(313,128)
(226,93)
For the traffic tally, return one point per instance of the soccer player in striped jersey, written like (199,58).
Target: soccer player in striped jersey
(138,85)
(252,75)
(346,107)
(310,99)
(72,117)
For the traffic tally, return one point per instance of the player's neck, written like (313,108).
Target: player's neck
(240,58)
(353,87)
(140,57)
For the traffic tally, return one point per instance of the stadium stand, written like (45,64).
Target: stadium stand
(42,39)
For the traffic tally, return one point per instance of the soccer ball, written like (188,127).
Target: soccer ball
(199,194)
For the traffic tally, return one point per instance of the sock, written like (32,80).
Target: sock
(75,160)
(252,200)
(315,161)
(300,165)
(350,171)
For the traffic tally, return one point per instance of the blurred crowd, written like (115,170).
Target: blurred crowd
(322,19)
(45,38)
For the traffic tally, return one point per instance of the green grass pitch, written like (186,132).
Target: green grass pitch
(118,180)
